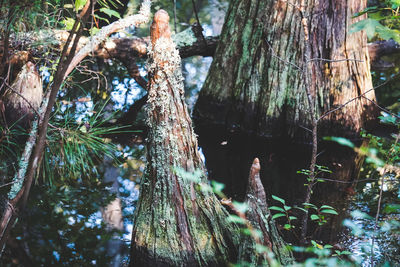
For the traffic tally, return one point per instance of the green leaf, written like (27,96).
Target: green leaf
(217,187)
(391,208)
(240,206)
(376,15)
(355,229)
(376,161)
(69,23)
(287,208)
(309,205)
(94,30)
(236,219)
(261,249)
(357,214)
(292,217)
(101,18)
(388,119)
(314,217)
(278,215)
(369,25)
(342,141)
(247,231)
(327,207)
(253,232)
(83,129)
(368,9)
(110,12)
(79,4)
(395,3)
(276,208)
(278,199)
(328,211)
(323,168)
(299,208)
(287,226)
(387,34)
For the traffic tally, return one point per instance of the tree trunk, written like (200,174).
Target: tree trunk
(177,222)
(256,83)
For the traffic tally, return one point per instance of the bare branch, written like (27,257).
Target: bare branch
(95,41)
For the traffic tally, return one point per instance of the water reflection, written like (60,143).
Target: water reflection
(228,159)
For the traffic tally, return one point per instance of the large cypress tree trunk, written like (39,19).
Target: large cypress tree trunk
(177,222)
(256,83)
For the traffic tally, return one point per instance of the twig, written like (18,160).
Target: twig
(382,108)
(175,16)
(274,54)
(355,98)
(3,185)
(383,174)
(198,21)
(104,32)
(335,60)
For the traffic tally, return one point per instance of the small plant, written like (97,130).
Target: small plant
(314,179)
(319,216)
(321,213)
(325,255)
(383,20)
(283,211)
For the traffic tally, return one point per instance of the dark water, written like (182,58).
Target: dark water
(351,186)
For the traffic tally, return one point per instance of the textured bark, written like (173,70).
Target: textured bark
(177,222)
(255,83)
(115,47)
(259,217)
(22,99)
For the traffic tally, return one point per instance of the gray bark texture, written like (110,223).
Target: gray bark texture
(177,222)
(256,84)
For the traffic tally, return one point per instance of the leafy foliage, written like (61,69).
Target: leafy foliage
(383,21)
(77,146)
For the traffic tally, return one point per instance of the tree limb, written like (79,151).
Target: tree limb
(29,163)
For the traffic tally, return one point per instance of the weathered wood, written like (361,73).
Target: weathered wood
(255,82)
(22,99)
(177,222)
(260,219)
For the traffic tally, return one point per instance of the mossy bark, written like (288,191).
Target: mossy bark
(177,222)
(260,220)
(256,83)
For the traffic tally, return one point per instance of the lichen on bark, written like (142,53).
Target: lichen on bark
(256,82)
(177,222)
